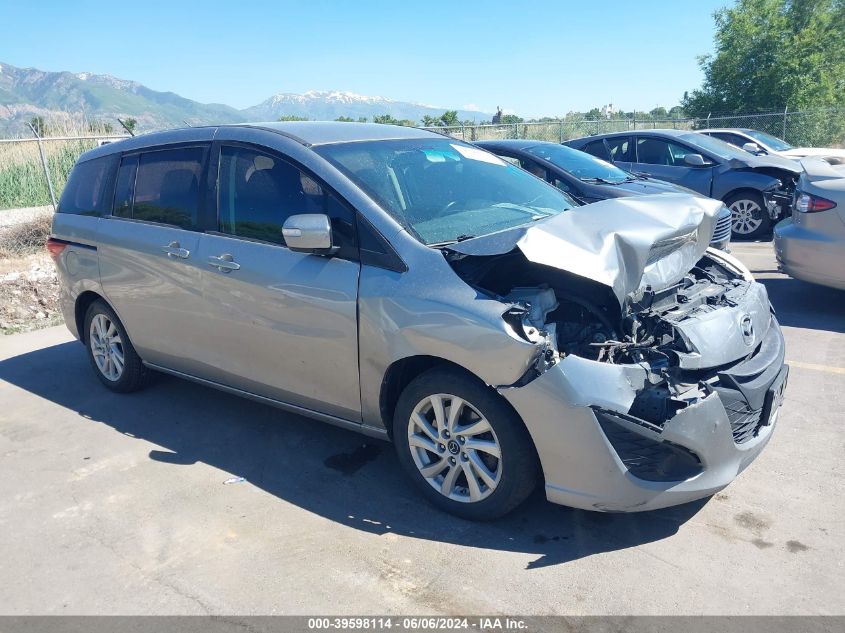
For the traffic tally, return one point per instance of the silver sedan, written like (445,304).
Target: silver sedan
(811,244)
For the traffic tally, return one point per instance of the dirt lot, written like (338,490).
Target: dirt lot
(29,293)
(117,504)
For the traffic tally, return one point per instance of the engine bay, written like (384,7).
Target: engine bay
(581,317)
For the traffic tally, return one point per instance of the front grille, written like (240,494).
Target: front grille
(745,421)
(646,458)
(723,229)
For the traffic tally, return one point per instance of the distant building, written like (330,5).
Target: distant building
(497,118)
(607,111)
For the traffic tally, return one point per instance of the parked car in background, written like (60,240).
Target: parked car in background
(416,288)
(760,143)
(811,244)
(590,179)
(757,189)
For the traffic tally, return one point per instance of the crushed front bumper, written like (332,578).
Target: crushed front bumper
(597,456)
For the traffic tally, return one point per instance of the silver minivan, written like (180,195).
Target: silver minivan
(418,289)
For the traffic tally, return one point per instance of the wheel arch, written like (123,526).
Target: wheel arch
(80,307)
(739,190)
(400,374)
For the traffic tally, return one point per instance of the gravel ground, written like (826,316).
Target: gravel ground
(29,293)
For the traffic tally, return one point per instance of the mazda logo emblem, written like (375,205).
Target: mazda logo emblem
(746,326)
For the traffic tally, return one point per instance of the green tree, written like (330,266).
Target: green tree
(450,118)
(130,124)
(390,120)
(293,117)
(430,121)
(349,119)
(510,119)
(39,124)
(772,54)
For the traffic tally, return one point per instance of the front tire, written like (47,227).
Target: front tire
(749,216)
(112,356)
(462,446)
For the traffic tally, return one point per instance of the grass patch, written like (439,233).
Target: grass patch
(22,181)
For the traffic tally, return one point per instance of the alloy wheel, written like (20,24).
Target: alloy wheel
(746,216)
(454,448)
(106,347)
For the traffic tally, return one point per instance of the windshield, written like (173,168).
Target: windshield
(583,166)
(723,150)
(443,190)
(771,141)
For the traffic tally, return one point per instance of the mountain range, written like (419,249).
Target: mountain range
(29,92)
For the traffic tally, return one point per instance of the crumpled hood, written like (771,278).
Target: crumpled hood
(624,243)
(766,160)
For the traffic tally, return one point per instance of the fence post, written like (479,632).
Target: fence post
(785,110)
(708,120)
(44,164)
(561,131)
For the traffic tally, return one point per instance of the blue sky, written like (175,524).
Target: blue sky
(535,59)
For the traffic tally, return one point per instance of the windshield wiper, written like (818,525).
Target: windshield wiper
(462,238)
(600,181)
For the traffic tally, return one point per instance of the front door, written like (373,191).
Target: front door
(664,160)
(279,324)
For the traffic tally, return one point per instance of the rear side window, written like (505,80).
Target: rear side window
(597,149)
(89,187)
(167,186)
(259,191)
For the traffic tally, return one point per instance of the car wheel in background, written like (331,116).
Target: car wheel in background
(110,351)
(749,216)
(463,447)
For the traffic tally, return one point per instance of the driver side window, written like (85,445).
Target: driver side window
(655,151)
(258,191)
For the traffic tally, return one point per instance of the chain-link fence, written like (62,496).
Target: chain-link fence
(23,182)
(823,128)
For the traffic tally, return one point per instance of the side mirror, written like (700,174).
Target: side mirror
(695,160)
(752,148)
(309,233)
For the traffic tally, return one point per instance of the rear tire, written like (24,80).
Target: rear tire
(749,215)
(462,446)
(110,352)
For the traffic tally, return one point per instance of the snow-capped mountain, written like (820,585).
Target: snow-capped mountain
(330,104)
(28,92)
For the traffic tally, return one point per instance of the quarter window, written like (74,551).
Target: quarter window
(167,187)
(89,188)
(259,191)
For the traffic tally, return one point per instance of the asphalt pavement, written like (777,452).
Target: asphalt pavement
(117,504)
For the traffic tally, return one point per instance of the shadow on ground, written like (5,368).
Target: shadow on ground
(801,304)
(332,472)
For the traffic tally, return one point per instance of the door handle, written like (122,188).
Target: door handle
(174,250)
(225,263)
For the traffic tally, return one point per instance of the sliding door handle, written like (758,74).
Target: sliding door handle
(225,263)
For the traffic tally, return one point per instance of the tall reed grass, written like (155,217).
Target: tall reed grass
(22,180)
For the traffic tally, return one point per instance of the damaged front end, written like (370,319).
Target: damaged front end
(665,368)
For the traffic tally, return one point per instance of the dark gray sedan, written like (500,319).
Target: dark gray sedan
(757,189)
(590,179)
